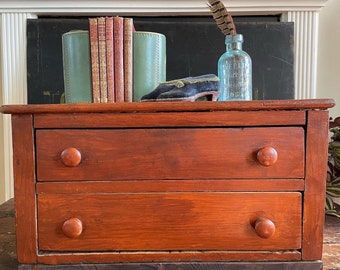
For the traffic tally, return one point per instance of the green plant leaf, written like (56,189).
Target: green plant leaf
(329,203)
(335,182)
(333,213)
(333,191)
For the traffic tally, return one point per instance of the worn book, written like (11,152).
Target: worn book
(93,30)
(128,59)
(77,66)
(102,59)
(118,34)
(110,60)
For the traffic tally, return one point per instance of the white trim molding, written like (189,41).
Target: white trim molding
(14,13)
(13,81)
(306,44)
(156,6)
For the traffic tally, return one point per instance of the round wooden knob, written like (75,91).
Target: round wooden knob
(71,157)
(72,227)
(267,156)
(264,227)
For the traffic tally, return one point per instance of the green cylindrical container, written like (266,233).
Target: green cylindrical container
(149,62)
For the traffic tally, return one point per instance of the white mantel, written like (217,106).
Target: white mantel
(156,6)
(304,13)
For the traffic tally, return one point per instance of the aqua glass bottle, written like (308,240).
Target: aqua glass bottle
(235,71)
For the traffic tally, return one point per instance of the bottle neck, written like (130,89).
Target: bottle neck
(234,46)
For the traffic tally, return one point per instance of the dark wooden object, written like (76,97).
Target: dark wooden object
(171,185)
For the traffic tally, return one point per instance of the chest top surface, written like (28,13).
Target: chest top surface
(141,107)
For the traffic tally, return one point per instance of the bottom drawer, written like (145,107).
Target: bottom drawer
(169,221)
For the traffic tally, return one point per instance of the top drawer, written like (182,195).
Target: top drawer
(169,153)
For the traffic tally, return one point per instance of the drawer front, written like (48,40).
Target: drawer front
(179,153)
(169,221)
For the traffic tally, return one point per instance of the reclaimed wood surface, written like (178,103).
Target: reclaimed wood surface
(24,188)
(315,192)
(8,258)
(147,257)
(170,119)
(178,185)
(293,104)
(181,153)
(187,266)
(144,226)
(208,221)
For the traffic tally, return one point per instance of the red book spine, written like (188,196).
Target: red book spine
(102,59)
(93,27)
(128,55)
(110,60)
(118,32)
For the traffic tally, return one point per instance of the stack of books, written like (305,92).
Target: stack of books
(98,64)
(111,58)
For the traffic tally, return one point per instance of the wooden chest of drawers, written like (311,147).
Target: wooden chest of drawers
(171,185)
